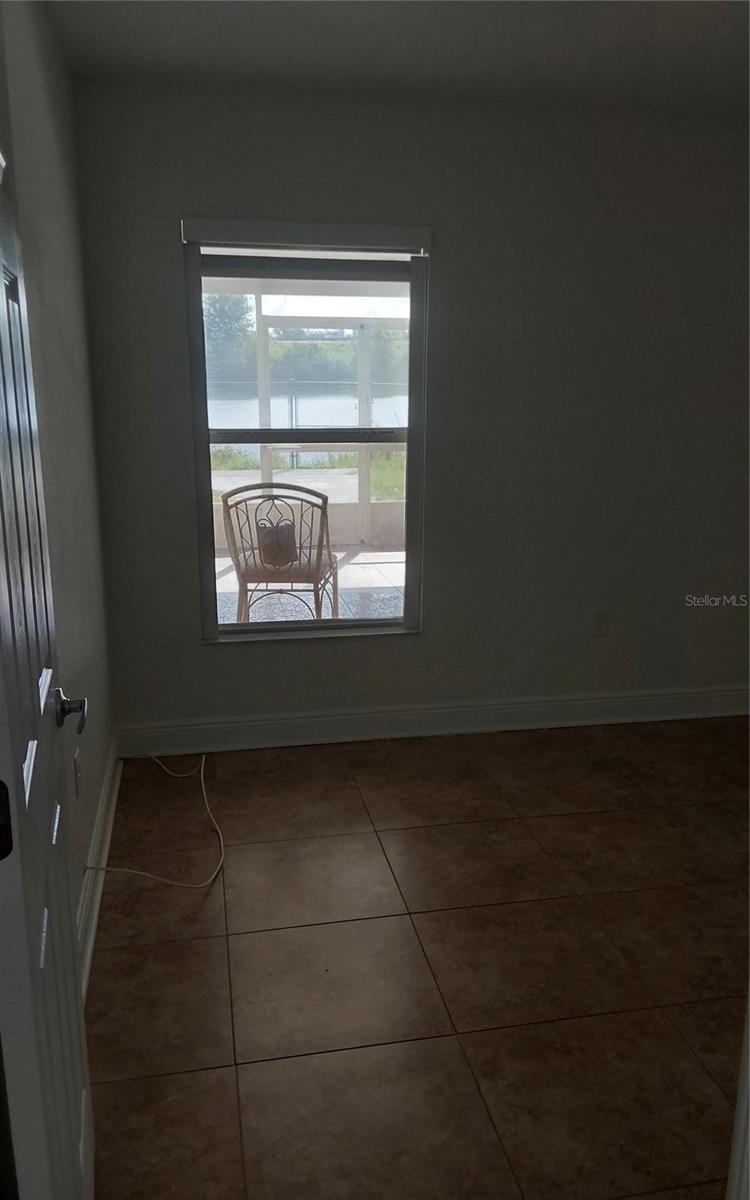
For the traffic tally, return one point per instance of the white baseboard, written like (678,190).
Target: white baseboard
(93,881)
(347,725)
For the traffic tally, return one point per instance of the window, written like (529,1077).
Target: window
(307,362)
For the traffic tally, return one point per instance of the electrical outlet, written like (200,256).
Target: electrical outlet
(600,625)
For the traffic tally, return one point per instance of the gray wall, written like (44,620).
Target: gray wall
(43,166)
(586,388)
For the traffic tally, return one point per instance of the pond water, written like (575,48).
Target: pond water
(309,406)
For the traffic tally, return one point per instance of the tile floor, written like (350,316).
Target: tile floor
(489,967)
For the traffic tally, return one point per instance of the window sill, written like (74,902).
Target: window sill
(296,631)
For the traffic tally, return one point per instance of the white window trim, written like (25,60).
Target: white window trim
(410,241)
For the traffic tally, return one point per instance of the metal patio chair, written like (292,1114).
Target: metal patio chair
(278,534)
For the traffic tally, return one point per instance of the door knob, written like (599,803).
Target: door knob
(64,707)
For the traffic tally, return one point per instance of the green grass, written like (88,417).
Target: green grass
(232,458)
(388,475)
(387,467)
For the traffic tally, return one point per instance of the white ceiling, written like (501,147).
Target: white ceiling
(677,53)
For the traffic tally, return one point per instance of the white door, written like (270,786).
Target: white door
(42,1038)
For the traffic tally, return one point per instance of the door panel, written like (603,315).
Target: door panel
(41,1012)
(28,442)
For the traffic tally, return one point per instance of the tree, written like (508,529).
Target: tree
(390,356)
(228,318)
(229,323)
(329,359)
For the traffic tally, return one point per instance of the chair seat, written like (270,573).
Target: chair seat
(293,573)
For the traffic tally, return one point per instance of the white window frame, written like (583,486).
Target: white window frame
(343,241)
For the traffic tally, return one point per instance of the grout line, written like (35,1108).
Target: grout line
(448,824)
(608,1012)
(250,1062)
(372,828)
(318,924)
(504,796)
(563,873)
(731,1100)
(425,1037)
(411,921)
(661,887)
(739,876)
(418,912)
(696,882)
(449,1014)
(490,1117)
(226,1066)
(646,806)
(494,903)
(665,887)
(604,927)
(680,1187)
(652,809)
(406,911)
(234,1039)
(201,937)
(304,837)
(402,1041)
(355,784)
(185,850)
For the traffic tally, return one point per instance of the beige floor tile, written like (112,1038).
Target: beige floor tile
(544,772)
(402,792)
(135,910)
(146,772)
(175,1136)
(158,1009)
(613,851)
(167,816)
(273,884)
(566,788)
(678,762)
(602,1107)
(687,943)
(326,987)
(513,963)
(402,1122)
(272,795)
(442,866)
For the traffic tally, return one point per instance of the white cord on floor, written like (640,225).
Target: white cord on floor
(160,878)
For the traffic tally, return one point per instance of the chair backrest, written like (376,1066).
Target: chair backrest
(273,527)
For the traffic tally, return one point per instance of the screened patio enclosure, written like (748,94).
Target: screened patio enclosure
(288,354)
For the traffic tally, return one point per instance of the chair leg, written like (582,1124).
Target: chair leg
(335,590)
(242,605)
(318,601)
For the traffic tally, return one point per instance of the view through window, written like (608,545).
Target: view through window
(307,388)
